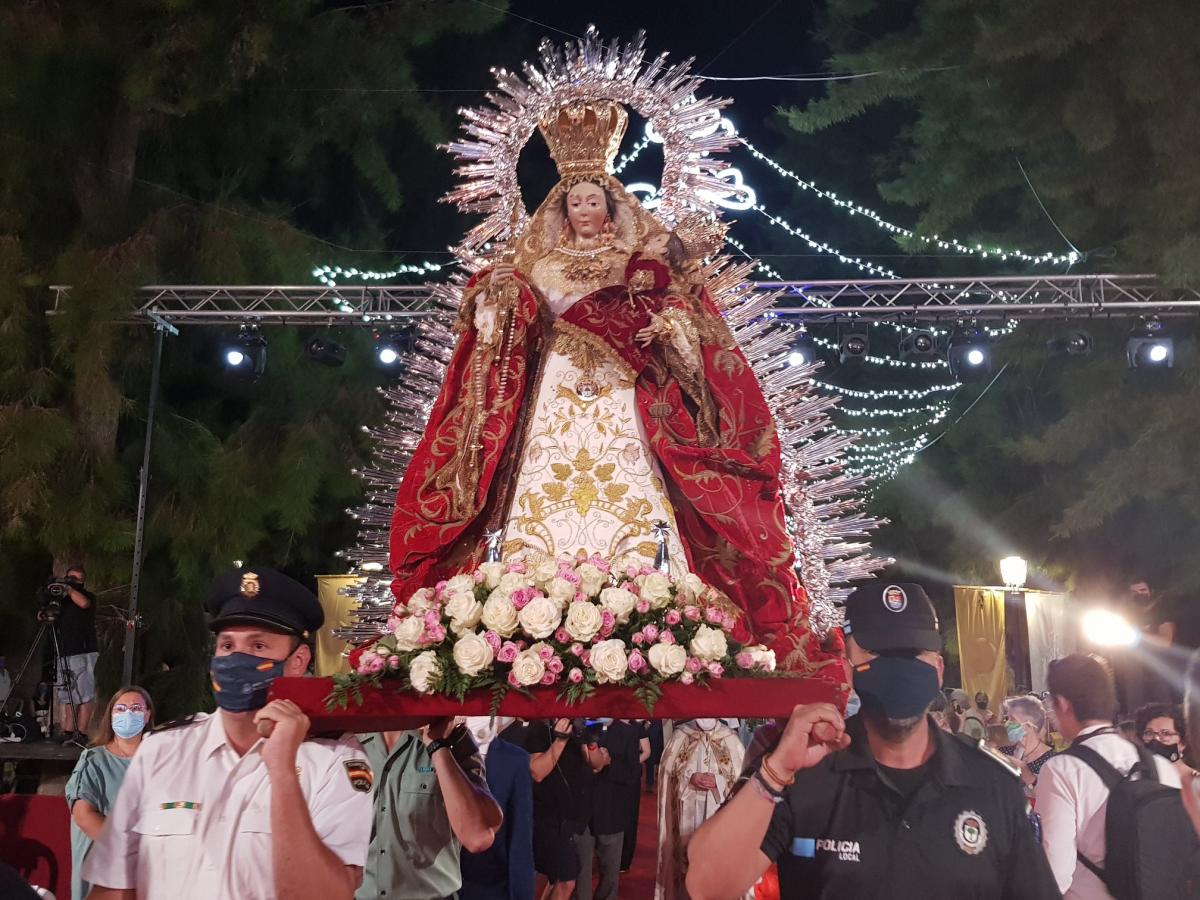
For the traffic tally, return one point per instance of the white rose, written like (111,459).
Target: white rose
(619,602)
(472,654)
(500,616)
(460,584)
(492,572)
(655,588)
(561,591)
(540,617)
(609,661)
(763,657)
(591,579)
(408,633)
(691,586)
(583,621)
(709,644)
(667,659)
(511,581)
(464,612)
(424,671)
(543,573)
(528,668)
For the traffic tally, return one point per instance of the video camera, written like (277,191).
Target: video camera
(51,595)
(588,731)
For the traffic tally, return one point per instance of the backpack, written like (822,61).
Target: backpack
(1151,848)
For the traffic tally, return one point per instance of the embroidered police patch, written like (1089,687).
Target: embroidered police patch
(894,598)
(970,832)
(360,775)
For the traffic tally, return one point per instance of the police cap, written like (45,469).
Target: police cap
(256,595)
(896,616)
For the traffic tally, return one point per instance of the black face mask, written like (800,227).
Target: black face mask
(1169,752)
(900,687)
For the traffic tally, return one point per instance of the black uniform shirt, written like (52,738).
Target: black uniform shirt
(77,626)
(845,831)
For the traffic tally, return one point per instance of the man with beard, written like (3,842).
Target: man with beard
(872,806)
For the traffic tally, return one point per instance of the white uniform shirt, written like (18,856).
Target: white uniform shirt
(1072,802)
(193,819)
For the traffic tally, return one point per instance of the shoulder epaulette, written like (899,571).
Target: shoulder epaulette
(175,723)
(1008,762)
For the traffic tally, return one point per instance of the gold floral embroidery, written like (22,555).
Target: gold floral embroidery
(588,352)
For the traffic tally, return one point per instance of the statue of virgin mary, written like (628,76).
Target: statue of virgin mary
(596,404)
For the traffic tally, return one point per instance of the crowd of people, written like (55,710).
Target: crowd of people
(1022,801)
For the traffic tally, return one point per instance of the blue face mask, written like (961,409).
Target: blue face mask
(128,724)
(1016,731)
(900,687)
(853,704)
(240,681)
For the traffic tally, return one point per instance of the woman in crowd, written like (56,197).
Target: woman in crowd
(1160,730)
(92,788)
(1025,721)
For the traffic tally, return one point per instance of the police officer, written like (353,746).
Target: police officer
(884,804)
(212,809)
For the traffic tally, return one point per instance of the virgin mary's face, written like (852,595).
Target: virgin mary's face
(586,209)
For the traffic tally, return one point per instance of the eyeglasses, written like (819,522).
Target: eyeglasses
(1149,735)
(122,708)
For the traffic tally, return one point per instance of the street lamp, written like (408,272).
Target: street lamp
(1106,628)
(1013,569)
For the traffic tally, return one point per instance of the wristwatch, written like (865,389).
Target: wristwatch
(440,744)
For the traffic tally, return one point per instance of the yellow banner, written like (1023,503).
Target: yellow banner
(330,659)
(980,614)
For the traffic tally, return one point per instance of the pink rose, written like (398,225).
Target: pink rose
(714,615)
(366,662)
(691,613)
(643,606)
(646,570)
(521,645)
(639,639)
(521,596)
(508,652)
(493,640)
(685,678)
(393,623)
(667,637)
(715,669)
(577,649)
(586,657)
(548,678)
(637,662)
(694,665)
(435,634)
(745,660)
(569,576)
(600,563)
(651,632)
(575,676)
(378,666)
(555,665)
(440,588)
(562,636)
(512,680)
(579,597)
(631,571)
(728,622)
(433,617)
(673,617)
(393,663)
(607,619)
(518,567)
(546,653)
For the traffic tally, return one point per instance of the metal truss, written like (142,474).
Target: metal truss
(1015,297)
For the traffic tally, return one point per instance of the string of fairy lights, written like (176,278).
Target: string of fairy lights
(881,451)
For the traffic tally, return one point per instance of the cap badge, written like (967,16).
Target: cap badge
(250,585)
(970,832)
(894,598)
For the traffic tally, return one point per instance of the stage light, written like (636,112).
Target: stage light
(796,358)
(387,354)
(920,345)
(1074,343)
(802,352)
(1149,348)
(246,357)
(969,356)
(1014,570)
(1106,628)
(853,347)
(326,352)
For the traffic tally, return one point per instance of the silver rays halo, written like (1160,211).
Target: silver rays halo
(823,504)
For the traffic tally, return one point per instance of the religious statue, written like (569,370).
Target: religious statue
(596,403)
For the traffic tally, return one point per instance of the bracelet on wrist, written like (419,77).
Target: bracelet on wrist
(778,779)
(764,790)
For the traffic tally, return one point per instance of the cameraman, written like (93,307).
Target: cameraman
(78,648)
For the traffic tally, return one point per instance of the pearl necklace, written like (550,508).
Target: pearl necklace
(582,254)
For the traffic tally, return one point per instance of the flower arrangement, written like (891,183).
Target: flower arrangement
(573,624)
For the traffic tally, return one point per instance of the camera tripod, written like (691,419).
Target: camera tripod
(62,674)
